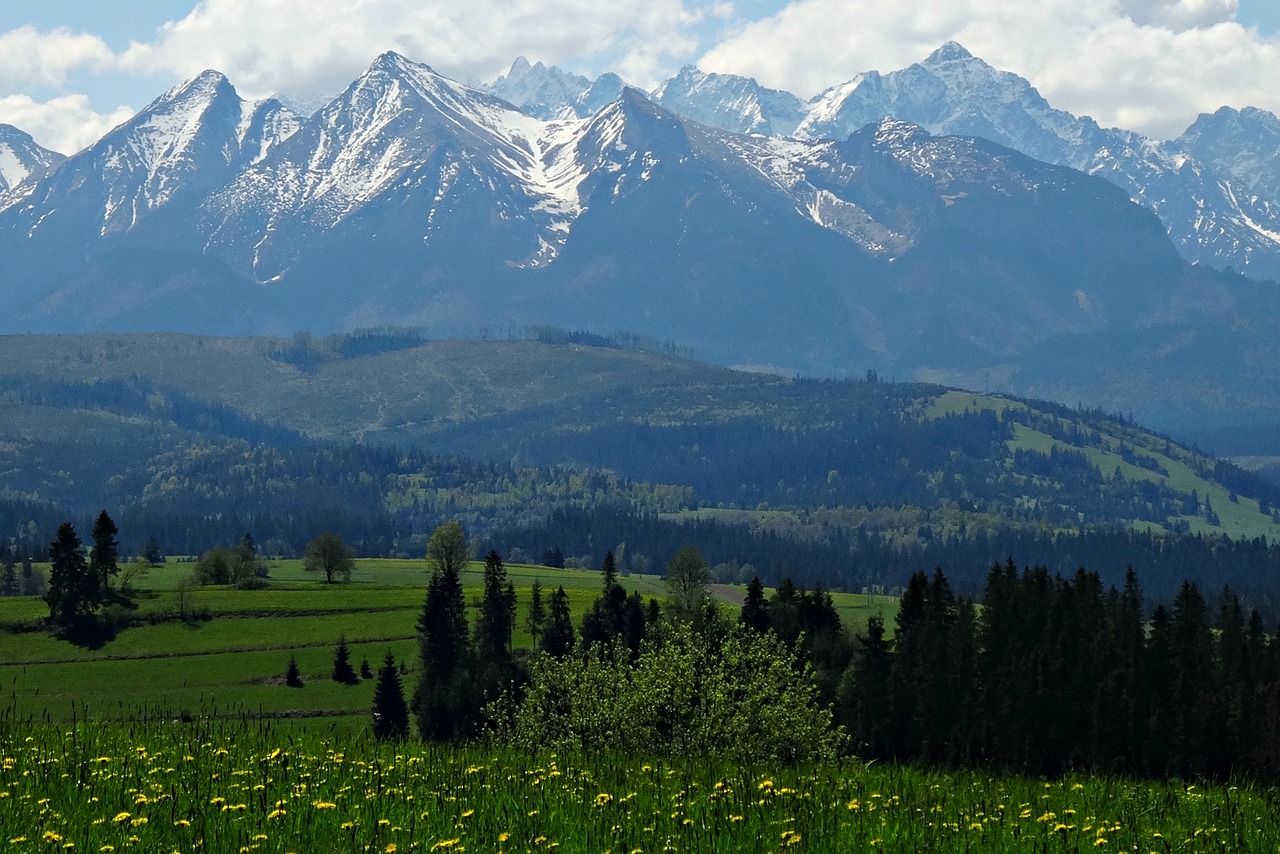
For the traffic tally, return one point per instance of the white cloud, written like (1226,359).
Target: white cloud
(1147,64)
(306,47)
(66,123)
(1150,65)
(1180,14)
(31,57)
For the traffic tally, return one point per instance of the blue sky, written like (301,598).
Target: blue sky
(70,69)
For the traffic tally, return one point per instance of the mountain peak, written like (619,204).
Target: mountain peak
(399,65)
(952,51)
(519,67)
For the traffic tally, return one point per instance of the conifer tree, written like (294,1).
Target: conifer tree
(536,619)
(557,638)
(755,609)
(495,625)
(443,701)
(71,590)
(366,672)
(104,559)
(342,670)
(293,676)
(9,575)
(390,714)
(860,698)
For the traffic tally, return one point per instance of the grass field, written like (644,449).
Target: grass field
(233,662)
(253,786)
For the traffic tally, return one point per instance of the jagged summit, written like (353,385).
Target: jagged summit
(729,101)
(952,51)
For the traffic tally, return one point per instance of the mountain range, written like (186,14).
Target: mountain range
(942,223)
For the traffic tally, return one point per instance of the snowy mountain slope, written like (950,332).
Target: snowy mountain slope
(730,102)
(549,93)
(954,92)
(402,132)
(21,158)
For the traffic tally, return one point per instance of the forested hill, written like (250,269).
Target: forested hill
(381,435)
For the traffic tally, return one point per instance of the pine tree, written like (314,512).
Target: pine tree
(495,625)
(151,551)
(443,701)
(71,591)
(755,609)
(390,715)
(342,671)
(104,559)
(9,576)
(293,676)
(557,638)
(536,619)
(860,698)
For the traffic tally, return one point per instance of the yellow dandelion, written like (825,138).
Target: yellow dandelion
(503,836)
(121,816)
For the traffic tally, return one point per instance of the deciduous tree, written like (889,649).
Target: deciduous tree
(327,553)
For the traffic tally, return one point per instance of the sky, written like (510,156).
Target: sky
(72,69)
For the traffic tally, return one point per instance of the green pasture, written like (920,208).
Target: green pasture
(236,651)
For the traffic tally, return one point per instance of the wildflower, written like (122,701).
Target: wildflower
(503,836)
(324,805)
(121,817)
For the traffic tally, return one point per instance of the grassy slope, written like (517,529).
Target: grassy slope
(1240,518)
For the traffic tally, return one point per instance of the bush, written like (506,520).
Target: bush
(743,696)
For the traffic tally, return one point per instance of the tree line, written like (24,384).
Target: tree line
(1046,673)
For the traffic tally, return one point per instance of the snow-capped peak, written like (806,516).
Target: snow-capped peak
(22,159)
(731,102)
(952,51)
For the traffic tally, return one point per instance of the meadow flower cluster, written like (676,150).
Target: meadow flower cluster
(247,788)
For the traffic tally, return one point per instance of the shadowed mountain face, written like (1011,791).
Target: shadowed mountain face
(414,200)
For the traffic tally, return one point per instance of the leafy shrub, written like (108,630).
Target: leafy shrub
(741,696)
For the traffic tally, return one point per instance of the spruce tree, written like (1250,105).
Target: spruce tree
(104,559)
(495,625)
(755,609)
(293,676)
(71,591)
(342,671)
(536,619)
(557,638)
(366,672)
(9,576)
(861,695)
(443,701)
(390,714)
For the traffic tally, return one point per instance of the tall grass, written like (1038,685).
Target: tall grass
(217,785)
